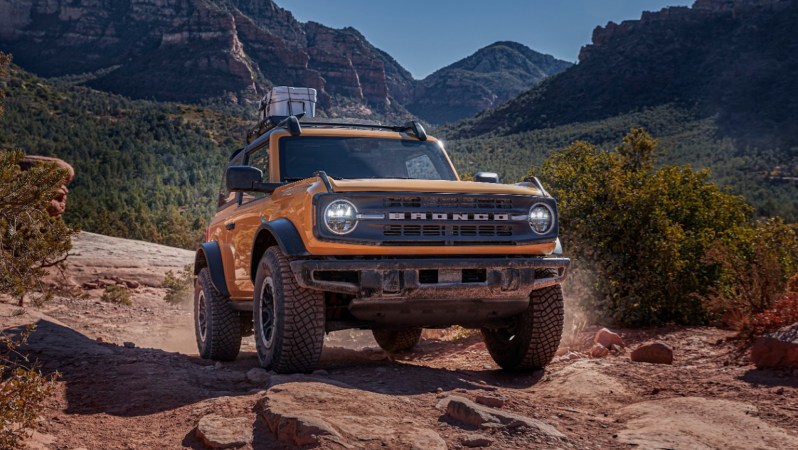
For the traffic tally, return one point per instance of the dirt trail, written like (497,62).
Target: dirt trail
(153,395)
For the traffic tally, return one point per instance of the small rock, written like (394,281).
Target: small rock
(131,284)
(476,440)
(90,285)
(489,400)
(617,349)
(655,353)
(571,356)
(224,432)
(258,376)
(598,351)
(562,351)
(777,349)
(100,340)
(607,338)
(129,344)
(218,365)
(439,390)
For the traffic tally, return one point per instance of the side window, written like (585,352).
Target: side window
(257,158)
(421,167)
(226,197)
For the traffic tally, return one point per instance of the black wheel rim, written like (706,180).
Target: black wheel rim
(267,313)
(507,335)
(202,317)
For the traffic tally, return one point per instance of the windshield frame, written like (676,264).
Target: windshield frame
(432,148)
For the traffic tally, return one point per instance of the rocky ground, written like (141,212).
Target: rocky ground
(155,392)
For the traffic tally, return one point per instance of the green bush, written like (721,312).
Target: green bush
(117,294)
(644,231)
(178,286)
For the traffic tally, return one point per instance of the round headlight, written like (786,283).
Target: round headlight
(541,218)
(340,217)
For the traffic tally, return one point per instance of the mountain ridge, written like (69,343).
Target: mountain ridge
(491,75)
(195,50)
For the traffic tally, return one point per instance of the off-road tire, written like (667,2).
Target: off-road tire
(217,326)
(533,337)
(293,340)
(397,341)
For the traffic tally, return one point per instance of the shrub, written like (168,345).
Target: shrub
(755,264)
(22,391)
(783,313)
(642,230)
(178,286)
(117,294)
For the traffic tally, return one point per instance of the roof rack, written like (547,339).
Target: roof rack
(292,124)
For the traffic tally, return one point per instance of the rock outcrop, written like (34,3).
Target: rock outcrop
(58,203)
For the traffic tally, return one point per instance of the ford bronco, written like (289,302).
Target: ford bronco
(329,226)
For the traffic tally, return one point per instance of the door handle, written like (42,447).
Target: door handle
(230,226)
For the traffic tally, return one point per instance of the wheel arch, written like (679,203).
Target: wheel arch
(209,256)
(280,232)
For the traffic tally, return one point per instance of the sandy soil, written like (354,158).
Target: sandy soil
(152,396)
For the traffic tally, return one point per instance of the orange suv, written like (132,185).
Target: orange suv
(329,226)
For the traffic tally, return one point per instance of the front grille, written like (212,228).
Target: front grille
(445,201)
(410,219)
(448,230)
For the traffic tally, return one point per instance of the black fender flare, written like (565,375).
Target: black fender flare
(212,255)
(284,233)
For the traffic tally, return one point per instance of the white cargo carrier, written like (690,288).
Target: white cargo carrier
(283,101)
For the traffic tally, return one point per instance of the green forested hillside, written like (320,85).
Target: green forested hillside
(144,170)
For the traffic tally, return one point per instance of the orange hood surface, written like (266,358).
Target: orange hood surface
(427,186)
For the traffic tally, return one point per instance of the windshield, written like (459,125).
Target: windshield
(351,157)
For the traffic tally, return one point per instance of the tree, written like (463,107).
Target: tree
(30,239)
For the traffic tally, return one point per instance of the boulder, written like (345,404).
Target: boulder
(309,410)
(465,411)
(607,338)
(655,353)
(777,349)
(216,431)
(598,351)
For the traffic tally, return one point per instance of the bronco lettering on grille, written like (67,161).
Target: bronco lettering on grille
(449,216)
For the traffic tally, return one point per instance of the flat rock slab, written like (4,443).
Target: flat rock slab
(306,411)
(699,423)
(216,431)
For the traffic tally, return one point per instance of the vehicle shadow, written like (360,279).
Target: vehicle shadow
(107,378)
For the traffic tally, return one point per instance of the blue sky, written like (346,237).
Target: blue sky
(425,35)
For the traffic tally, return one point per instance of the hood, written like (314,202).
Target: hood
(433,186)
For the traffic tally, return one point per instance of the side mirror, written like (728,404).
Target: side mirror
(247,179)
(486,177)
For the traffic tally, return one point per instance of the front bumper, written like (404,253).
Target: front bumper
(432,292)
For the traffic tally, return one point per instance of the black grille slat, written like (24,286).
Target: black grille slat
(448,230)
(449,202)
